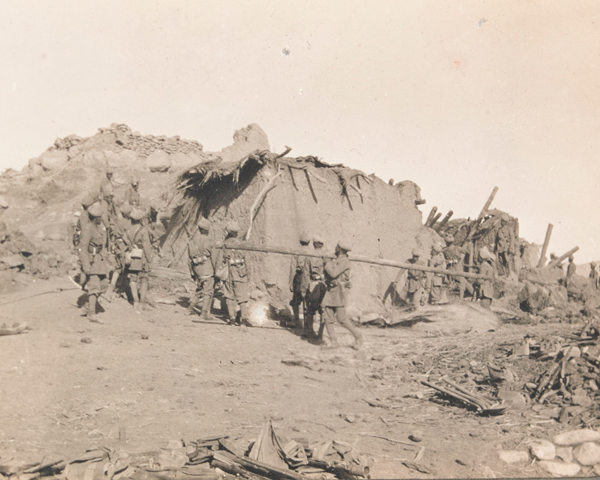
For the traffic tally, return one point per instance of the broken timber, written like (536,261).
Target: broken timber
(353,258)
(545,247)
(554,263)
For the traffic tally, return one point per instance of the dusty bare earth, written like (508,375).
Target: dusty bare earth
(159,377)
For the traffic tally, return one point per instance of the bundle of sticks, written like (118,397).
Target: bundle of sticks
(484,405)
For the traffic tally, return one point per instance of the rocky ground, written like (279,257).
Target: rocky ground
(140,380)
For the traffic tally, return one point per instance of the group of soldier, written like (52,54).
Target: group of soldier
(319,285)
(112,242)
(417,287)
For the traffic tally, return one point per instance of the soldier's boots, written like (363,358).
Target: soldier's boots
(358,337)
(231,310)
(333,343)
(91,309)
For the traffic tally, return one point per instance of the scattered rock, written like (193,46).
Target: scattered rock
(145,337)
(543,450)
(513,456)
(158,161)
(560,469)
(565,454)
(415,438)
(86,340)
(587,453)
(54,159)
(576,437)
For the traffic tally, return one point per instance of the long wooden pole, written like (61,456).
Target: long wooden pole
(545,247)
(430,216)
(488,203)
(353,258)
(435,219)
(444,221)
(554,263)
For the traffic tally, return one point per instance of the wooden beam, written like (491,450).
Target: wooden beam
(554,263)
(353,258)
(486,207)
(545,246)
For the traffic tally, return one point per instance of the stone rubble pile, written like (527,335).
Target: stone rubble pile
(571,453)
(143,145)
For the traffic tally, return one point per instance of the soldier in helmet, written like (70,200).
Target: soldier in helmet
(337,281)
(594,276)
(84,219)
(201,252)
(455,255)
(106,183)
(571,269)
(132,195)
(299,278)
(316,288)
(109,209)
(414,287)
(437,260)
(92,255)
(235,278)
(140,259)
(119,244)
(505,244)
(485,288)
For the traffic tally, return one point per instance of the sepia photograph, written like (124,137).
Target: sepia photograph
(299,240)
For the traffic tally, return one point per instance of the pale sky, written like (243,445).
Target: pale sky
(457,96)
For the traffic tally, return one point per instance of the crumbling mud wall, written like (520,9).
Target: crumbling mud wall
(335,202)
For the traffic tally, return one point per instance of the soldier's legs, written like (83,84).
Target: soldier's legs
(347,324)
(309,318)
(208,287)
(416,298)
(143,285)
(240,290)
(243,311)
(133,286)
(231,309)
(329,321)
(436,293)
(96,286)
(114,280)
(295,304)
(464,285)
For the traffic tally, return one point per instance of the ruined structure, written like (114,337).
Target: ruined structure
(181,182)
(277,198)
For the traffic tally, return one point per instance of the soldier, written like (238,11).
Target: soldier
(201,254)
(92,255)
(119,244)
(131,195)
(571,269)
(414,287)
(140,259)
(455,261)
(505,244)
(84,219)
(106,183)
(235,280)
(109,209)
(594,276)
(299,278)
(437,260)
(316,289)
(485,289)
(337,281)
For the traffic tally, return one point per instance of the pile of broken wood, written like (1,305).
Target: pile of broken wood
(268,458)
(573,378)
